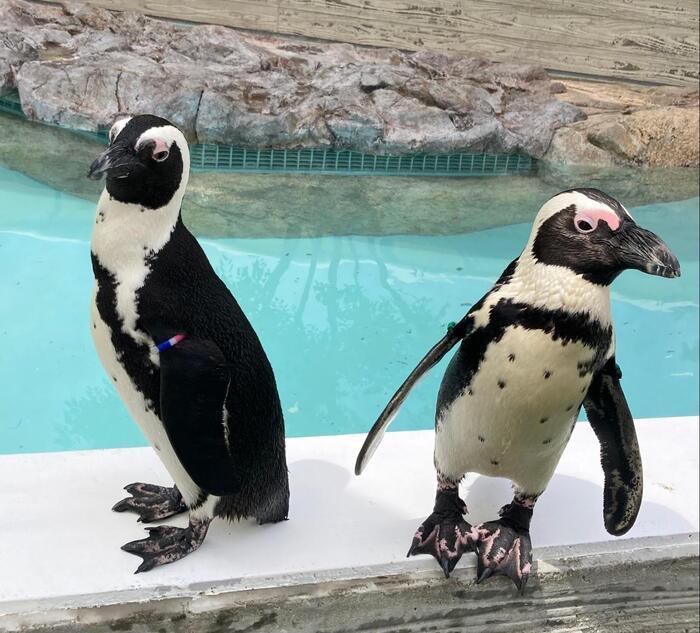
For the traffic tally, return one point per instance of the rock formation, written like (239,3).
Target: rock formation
(76,66)
(628,125)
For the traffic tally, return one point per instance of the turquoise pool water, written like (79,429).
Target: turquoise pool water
(344,319)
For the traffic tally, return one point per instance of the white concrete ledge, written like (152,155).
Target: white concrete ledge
(60,547)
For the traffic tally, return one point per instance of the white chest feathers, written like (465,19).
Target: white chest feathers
(125,238)
(516,416)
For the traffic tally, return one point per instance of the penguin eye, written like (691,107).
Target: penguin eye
(584,225)
(159,157)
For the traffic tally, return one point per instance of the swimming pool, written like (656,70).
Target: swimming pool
(344,319)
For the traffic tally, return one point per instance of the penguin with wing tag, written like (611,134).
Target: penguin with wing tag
(180,351)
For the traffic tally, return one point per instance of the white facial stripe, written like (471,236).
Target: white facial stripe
(166,133)
(117,127)
(556,204)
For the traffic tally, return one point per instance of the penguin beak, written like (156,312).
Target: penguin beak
(643,250)
(118,161)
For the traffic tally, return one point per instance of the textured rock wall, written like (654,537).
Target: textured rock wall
(629,125)
(78,65)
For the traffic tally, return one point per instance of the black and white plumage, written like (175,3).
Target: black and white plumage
(538,346)
(208,405)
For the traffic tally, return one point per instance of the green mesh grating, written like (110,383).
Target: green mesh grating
(209,157)
(213,157)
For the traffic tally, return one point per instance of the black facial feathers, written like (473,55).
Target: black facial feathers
(591,255)
(148,183)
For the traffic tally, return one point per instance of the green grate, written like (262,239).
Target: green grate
(213,157)
(209,157)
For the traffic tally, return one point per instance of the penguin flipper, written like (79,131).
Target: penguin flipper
(611,420)
(432,358)
(194,383)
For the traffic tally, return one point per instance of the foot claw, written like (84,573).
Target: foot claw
(445,564)
(166,544)
(503,550)
(445,535)
(521,585)
(151,502)
(485,575)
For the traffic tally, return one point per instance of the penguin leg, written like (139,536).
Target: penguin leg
(445,534)
(166,544)
(151,502)
(503,546)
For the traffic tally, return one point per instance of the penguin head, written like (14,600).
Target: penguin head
(592,234)
(147,162)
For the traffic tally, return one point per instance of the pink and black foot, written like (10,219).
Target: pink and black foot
(151,502)
(166,544)
(503,547)
(445,534)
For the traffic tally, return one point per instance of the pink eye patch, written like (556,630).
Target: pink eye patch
(587,220)
(160,146)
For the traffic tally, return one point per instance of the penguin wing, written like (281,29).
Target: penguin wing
(194,383)
(610,417)
(432,358)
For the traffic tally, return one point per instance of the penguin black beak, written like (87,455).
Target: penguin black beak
(643,250)
(118,161)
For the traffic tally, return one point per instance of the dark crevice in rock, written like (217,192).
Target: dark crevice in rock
(196,115)
(116,91)
(370,89)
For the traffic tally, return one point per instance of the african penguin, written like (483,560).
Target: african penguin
(181,353)
(537,347)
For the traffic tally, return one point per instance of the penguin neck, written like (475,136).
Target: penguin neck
(126,235)
(557,287)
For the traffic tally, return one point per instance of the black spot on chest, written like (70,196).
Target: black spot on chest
(560,325)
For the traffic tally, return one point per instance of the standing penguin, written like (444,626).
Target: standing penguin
(534,349)
(180,351)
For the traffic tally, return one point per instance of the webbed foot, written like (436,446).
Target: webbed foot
(166,544)
(445,534)
(504,548)
(151,502)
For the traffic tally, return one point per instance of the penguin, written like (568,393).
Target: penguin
(534,350)
(180,351)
